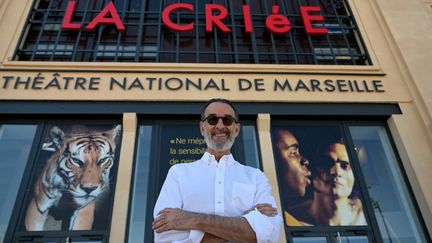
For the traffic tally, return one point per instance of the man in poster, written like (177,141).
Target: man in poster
(294,168)
(216,199)
(333,180)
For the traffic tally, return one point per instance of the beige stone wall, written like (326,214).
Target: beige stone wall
(409,26)
(429,6)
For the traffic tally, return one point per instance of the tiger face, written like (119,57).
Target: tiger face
(80,166)
(84,162)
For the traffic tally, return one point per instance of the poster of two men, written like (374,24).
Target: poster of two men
(316,178)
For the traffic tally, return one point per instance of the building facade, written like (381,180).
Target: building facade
(130,77)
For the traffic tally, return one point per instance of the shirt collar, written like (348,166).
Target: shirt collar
(226,160)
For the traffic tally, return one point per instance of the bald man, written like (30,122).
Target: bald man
(295,172)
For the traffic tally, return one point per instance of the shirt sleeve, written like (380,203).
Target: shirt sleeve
(170,197)
(266,228)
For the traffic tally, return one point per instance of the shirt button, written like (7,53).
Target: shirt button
(219,202)
(219,182)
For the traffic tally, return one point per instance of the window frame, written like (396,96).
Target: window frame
(344,123)
(316,55)
(399,165)
(13,232)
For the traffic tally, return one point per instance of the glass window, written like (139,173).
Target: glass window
(309,240)
(162,145)
(137,229)
(352,239)
(317,180)
(15,144)
(72,182)
(250,146)
(394,209)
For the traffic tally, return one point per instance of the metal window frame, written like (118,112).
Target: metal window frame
(13,232)
(295,47)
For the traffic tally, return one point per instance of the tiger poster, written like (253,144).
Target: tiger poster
(72,184)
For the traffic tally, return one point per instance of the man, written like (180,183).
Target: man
(333,182)
(294,169)
(294,166)
(216,199)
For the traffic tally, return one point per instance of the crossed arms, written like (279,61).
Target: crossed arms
(216,228)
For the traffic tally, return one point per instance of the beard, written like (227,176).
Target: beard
(219,146)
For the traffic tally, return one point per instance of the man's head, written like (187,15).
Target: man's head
(219,125)
(333,171)
(294,165)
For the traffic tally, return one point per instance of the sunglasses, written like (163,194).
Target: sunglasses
(226,120)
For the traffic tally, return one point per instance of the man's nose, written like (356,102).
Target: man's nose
(304,162)
(336,169)
(305,165)
(220,123)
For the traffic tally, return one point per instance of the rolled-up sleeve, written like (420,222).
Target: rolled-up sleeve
(266,228)
(170,197)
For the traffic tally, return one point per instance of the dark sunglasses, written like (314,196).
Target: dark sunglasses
(226,120)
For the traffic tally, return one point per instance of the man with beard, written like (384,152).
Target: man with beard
(216,199)
(333,182)
(294,169)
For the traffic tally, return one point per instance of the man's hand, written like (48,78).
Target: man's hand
(172,219)
(264,208)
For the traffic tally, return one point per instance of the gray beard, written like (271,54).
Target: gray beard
(218,147)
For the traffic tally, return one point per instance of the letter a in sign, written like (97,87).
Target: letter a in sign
(108,15)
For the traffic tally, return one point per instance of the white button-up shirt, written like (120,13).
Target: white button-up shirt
(224,188)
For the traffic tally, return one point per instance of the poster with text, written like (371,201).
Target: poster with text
(179,143)
(72,183)
(316,178)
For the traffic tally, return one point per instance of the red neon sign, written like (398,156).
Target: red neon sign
(174,7)
(67,19)
(107,16)
(216,19)
(277,23)
(307,20)
(215,15)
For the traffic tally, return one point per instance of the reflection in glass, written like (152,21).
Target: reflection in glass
(309,240)
(392,204)
(250,146)
(15,145)
(139,195)
(353,239)
(73,241)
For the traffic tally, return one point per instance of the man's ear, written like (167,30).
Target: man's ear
(237,129)
(202,128)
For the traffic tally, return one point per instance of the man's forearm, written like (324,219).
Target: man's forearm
(235,229)
(209,238)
